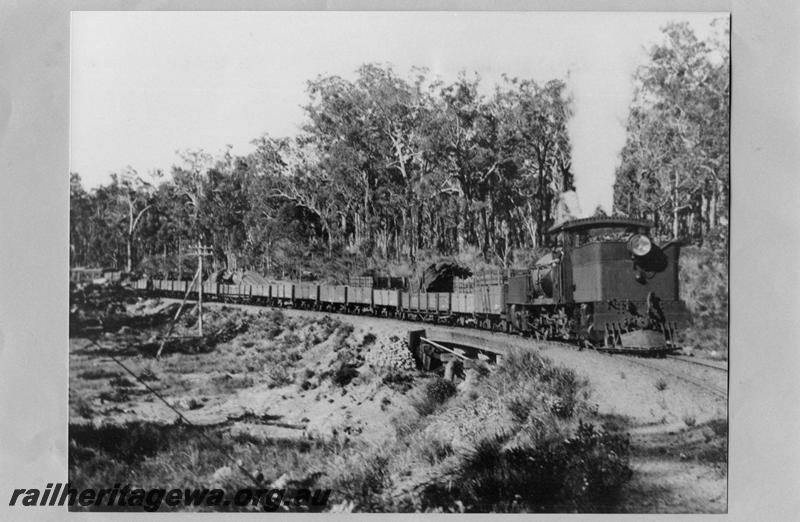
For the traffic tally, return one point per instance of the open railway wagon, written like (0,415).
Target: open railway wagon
(386,303)
(140,284)
(281,293)
(359,300)
(333,298)
(463,308)
(259,294)
(426,306)
(489,296)
(376,295)
(232,293)
(306,295)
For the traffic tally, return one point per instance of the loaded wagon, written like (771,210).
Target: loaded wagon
(463,307)
(489,303)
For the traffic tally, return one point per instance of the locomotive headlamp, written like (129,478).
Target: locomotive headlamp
(639,245)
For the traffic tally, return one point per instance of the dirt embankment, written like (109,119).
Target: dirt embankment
(679,432)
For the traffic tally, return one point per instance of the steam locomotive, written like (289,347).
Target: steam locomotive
(606,285)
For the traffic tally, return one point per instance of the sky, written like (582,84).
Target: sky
(145,85)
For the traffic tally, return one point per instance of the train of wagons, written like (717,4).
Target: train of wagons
(605,285)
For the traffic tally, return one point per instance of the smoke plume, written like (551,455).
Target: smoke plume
(602,90)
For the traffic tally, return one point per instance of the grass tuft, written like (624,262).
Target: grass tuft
(435,393)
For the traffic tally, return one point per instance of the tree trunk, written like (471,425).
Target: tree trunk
(675,211)
(129,249)
(712,211)
(419,228)
(366,224)
(483,233)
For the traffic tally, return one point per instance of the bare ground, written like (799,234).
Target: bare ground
(236,385)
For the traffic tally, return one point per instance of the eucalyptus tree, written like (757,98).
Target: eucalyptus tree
(137,198)
(264,225)
(675,164)
(370,135)
(533,124)
(81,229)
(213,190)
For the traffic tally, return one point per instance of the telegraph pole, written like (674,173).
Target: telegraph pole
(200,293)
(201,251)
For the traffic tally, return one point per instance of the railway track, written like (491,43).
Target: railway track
(707,364)
(715,390)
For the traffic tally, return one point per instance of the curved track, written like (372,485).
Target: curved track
(492,337)
(715,390)
(707,364)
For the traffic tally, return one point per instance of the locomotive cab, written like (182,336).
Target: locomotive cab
(617,259)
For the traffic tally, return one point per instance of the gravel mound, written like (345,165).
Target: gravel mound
(391,354)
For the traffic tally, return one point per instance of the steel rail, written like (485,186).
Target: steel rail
(706,364)
(715,390)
